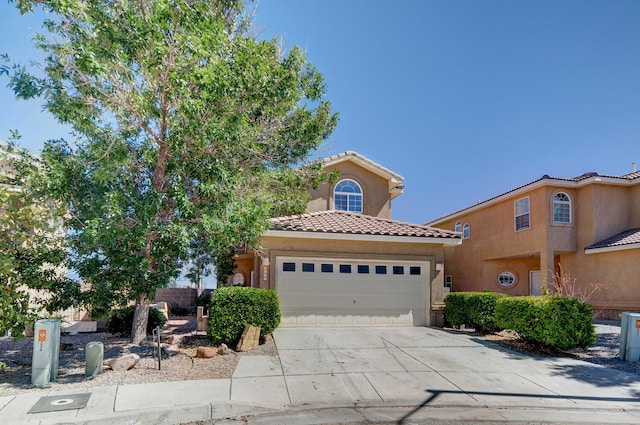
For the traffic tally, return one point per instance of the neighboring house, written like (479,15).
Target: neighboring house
(345,262)
(518,242)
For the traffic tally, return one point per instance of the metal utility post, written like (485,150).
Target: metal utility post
(156,336)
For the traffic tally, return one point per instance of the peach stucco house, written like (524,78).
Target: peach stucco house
(515,242)
(345,261)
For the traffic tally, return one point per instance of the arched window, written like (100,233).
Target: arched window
(238,279)
(466,231)
(347,196)
(561,208)
(458,227)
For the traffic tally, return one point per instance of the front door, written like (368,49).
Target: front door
(535,284)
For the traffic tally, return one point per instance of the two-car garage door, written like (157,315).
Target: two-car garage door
(339,292)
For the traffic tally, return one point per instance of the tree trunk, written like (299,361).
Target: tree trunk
(140,319)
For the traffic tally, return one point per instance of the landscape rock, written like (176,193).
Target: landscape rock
(66,346)
(124,363)
(250,339)
(224,349)
(170,350)
(205,352)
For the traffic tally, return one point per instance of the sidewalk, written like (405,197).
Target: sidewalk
(359,375)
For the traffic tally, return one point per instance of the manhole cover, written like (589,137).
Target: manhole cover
(61,402)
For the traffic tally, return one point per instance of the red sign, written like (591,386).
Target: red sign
(42,334)
(637,324)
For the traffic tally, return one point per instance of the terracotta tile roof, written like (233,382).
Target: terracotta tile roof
(356,224)
(628,237)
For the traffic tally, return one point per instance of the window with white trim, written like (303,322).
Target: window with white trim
(347,196)
(521,213)
(458,227)
(238,279)
(466,231)
(506,279)
(561,208)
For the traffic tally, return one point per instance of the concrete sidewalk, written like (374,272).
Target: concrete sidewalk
(353,375)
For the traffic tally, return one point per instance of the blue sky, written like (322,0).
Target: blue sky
(465,98)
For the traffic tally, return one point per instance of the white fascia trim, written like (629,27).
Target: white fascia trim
(367,238)
(612,248)
(529,187)
(365,163)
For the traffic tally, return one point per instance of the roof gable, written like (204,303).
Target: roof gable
(395,180)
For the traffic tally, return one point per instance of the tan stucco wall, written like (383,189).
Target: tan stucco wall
(598,212)
(375,191)
(433,253)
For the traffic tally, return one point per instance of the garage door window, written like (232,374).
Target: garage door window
(345,268)
(308,267)
(326,268)
(381,269)
(398,269)
(288,267)
(415,271)
(363,269)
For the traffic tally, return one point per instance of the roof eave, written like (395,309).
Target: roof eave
(612,248)
(545,181)
(364,162)
(296,234)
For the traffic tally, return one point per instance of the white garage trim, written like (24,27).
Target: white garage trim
(317,291)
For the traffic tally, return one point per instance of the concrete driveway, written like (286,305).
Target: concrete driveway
(432,367)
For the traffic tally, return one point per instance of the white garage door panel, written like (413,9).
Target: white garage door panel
(347,299)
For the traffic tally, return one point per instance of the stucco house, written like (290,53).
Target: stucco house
(517,242)
(345,262)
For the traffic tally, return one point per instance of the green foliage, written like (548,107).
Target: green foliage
(225,265)
(176,309)
(120,321)
(191,133)
(475,309)
(32,245)
(233,308)
(204,300)
(554,321)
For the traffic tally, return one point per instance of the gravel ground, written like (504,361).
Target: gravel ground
(16,377)
(605,352)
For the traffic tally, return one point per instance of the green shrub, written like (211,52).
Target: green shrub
(475,309)
(176,309)
(233,308)
(204,300)
(120,321)
(553,321)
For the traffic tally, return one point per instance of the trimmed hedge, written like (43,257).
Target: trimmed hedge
(120,321)
(475,309)
(563,323)
(233,308)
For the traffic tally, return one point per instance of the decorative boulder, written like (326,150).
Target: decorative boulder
(169,350)
(205,352)
(250,339)
(123,363)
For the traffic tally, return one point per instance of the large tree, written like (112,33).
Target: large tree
(188,130)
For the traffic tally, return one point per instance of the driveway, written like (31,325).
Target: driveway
(420,366)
